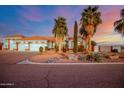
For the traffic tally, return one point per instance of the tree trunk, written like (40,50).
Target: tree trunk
(89,29)
(60,47)
(88,45)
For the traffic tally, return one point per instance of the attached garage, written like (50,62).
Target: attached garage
(35,47)
(22,43)
(22,47)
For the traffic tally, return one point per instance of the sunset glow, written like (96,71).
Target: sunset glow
(39,20)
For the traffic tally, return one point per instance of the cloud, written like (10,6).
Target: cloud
(108,19)
(31,13)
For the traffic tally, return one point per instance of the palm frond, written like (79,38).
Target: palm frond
(89,16)
(60,27)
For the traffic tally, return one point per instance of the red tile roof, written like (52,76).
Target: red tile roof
(39,38)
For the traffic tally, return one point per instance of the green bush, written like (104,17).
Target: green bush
(46,48)
(41,49)
(93,57)
(96,57)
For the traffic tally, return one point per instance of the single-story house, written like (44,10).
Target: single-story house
(22,43)
(1,45)
(19,42)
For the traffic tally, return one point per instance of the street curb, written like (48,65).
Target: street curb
(72,63)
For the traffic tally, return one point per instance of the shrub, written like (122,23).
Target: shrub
(89,57)
(64,49)
(82,58)
(115,50)
(96,57)
(80,48)
(56,48)
(93,57)
(41,49)
(46,48)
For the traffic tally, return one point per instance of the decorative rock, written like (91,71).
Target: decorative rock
(114,57)
(72,57)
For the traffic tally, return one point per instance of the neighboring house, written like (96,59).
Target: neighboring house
(109,47)
(0,46)
(22,43)
(1,42)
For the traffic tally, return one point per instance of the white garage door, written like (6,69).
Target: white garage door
(22,47)
(35,47)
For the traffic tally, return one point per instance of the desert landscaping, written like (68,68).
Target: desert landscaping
(74,53)
(83,74)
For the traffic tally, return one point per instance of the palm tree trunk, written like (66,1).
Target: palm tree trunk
(123,30)
(60,47)
(89,47)
(86,44)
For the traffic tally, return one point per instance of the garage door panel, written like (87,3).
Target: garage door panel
(35,47)
(22,47)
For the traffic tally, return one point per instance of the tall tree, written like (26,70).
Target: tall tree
(90,19)
(75,37)
(119,24)
(60,31)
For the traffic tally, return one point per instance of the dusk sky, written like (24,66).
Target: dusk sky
(39,20)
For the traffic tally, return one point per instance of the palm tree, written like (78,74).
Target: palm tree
(119,24)
(60,32)
(90,19)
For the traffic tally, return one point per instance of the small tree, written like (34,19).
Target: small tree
(46,48)
(75,37)
(41,49)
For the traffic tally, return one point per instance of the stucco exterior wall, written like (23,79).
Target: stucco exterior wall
(12,45)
